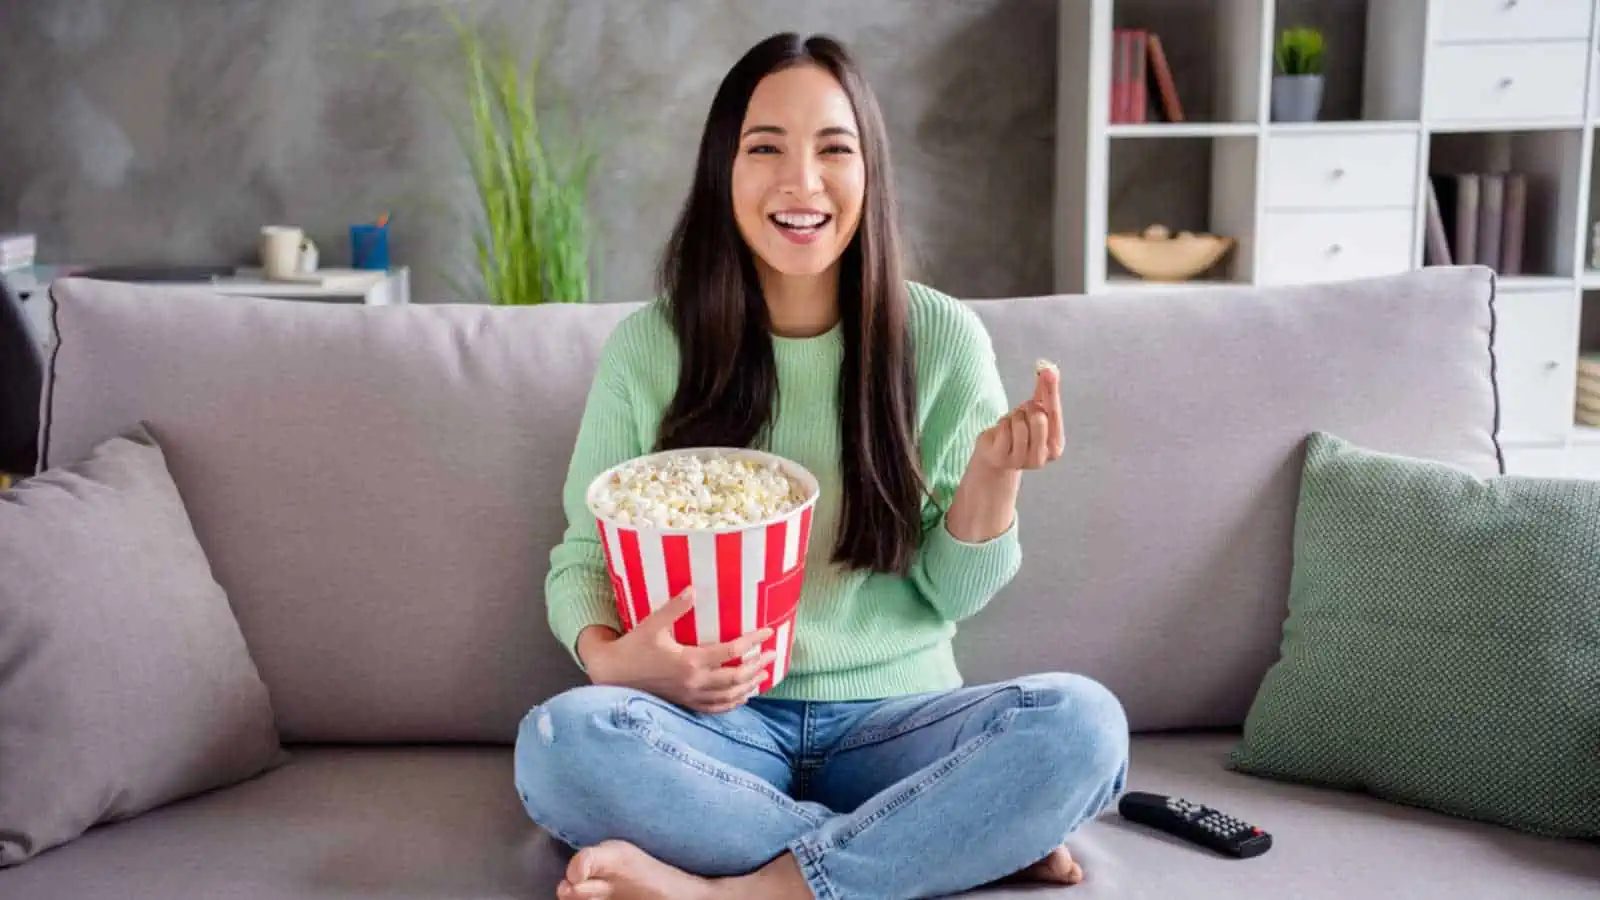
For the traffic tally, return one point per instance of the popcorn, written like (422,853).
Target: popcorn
(1039,365)
(686,491)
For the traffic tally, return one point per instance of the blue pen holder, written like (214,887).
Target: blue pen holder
(369,246)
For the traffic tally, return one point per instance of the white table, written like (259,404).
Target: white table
(391,288)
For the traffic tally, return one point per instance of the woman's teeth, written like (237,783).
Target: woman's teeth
(801,221)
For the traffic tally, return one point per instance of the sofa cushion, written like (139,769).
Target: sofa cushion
(124,681)
(1443,642)
(1156,552)
(379,488)
(446,823)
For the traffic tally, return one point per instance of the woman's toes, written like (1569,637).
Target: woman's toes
(1057,868)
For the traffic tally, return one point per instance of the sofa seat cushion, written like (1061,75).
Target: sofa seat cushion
(421,824)
(1327,844)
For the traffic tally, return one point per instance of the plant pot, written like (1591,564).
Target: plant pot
(1296,98)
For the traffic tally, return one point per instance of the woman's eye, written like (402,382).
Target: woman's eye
(762,148)
(839,148)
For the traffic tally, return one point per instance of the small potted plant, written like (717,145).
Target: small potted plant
(1297,87)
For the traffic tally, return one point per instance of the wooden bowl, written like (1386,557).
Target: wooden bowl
(1159,258)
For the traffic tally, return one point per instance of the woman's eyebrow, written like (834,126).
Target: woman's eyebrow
(830,131)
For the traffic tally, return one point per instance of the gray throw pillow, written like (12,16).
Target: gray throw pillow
(125,683)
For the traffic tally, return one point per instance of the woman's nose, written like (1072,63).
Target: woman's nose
(801,174)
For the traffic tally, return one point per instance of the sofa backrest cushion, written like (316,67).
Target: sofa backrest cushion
(378,488)
(1157,551)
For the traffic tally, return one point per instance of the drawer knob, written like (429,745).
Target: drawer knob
(1505,82)
(1551,365)
(1335,249)
(1511,4)
(1338,173)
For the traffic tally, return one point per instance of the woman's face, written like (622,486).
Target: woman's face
(798,178)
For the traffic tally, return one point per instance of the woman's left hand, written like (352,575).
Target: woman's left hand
(1028,437)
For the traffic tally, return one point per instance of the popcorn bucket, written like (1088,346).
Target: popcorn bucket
(745,577)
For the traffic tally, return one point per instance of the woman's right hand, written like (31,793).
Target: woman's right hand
(650,659)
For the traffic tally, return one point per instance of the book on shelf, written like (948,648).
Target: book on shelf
(1166,87)
(1139,68)
(1586,409)
(1477,218)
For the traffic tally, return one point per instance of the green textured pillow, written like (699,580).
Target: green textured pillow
(1442,647)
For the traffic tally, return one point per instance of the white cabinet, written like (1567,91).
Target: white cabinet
(1537,460)
(1536,339)
(1583,460)
(1443,89)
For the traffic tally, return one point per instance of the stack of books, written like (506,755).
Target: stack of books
(1137,60)
(1588,411)
(17,251)
(1477,218)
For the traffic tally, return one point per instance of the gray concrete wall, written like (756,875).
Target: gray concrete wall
(169,130)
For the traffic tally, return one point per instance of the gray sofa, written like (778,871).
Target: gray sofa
(377,489)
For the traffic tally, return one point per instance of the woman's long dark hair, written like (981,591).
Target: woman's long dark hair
(727,382)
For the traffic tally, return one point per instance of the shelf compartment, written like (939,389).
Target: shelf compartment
(1473,177)
(1371,68)
(1216,194)
(1212,49)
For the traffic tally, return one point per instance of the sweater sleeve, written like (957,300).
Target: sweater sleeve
(578,590)
(956,577)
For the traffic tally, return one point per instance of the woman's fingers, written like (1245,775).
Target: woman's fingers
(1038,438)
(1047,396)
(1021,438)
(730,699)
(728,677)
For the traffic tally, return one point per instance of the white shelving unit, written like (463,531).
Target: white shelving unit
(1431,86)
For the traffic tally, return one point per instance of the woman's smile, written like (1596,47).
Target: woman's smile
(802,226)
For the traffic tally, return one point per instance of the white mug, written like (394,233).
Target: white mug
(286,251)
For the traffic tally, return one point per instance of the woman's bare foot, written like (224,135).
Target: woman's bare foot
(615,870)
(1057,868)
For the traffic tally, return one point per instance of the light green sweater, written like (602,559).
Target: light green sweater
(857,635)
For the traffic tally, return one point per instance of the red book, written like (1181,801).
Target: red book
(1118,80)
(1138,72)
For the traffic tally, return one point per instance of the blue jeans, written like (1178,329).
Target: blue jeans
(911,796)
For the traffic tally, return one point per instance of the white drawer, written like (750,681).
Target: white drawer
(1511,20)
(1330,245)
(1341,170)
(1476,82)
(1536,344)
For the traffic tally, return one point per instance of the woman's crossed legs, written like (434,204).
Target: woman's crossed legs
(918,796)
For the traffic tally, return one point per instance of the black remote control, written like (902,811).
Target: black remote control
(1196,823)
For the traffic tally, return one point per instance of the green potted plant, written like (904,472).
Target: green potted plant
(534,231)
(1297,86)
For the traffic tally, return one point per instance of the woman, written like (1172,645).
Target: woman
(869,771)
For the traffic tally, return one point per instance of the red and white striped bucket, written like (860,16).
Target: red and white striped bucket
(745,578)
